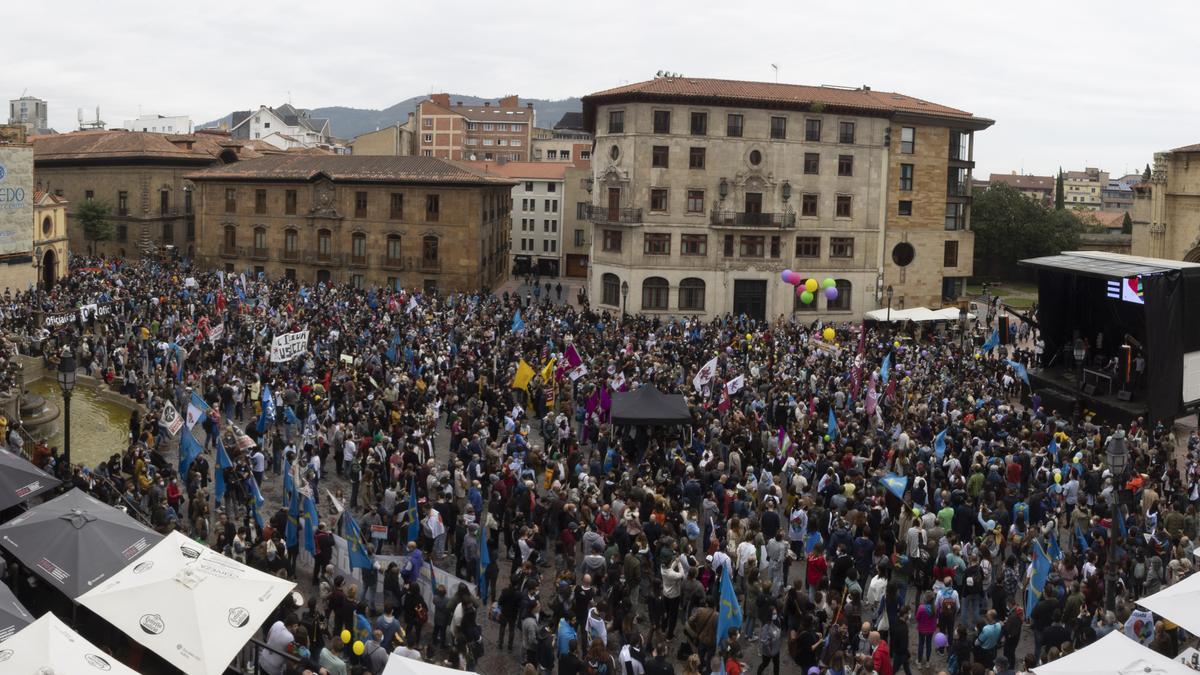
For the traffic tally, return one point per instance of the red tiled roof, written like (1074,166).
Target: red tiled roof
(352,168)
(39,195)
(119,144)
(783,95)
(480,113)
(1023,182)
(522,170)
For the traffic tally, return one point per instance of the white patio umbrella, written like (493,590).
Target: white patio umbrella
(1114,654)
(189,604)
(1179,603)
(50,646)
(402,665)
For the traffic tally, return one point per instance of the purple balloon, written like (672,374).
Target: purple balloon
(786,276)
(940,641)
(831,293)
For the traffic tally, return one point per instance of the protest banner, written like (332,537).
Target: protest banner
(288,346)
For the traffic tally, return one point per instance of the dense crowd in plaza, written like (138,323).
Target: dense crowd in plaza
(870,498)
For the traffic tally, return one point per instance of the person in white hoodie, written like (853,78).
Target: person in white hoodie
(597,629)
(672,580)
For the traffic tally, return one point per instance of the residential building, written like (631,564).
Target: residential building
(577,226)
(564,143)
(502,132)
(141,176)
(705,190)
(393,140)
(31,112)
(1117,196)
(1166,208)
(1037,188)
(1082,189)
(285,127)
(161,124)
(538,205)
(368,221)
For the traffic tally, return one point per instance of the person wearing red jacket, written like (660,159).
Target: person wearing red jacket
(815,569)
(881,656)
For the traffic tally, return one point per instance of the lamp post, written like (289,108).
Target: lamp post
(1117,455)
(962,335)
(889,293)
(624,299)
(1079,351)
(66,380)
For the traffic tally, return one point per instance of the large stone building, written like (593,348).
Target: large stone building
(567,142)
(537,218)
(140,176)
(705,190)
(393,140)
(486,133)
(577,225)
(1166,208)
(369,221)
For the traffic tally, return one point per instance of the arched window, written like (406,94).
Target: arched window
(610,290)
(655,291)
(842,303)
(393,249)
(230,240)
(691,294)
(324,244)
(358,248)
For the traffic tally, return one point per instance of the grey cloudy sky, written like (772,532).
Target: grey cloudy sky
(1103,83)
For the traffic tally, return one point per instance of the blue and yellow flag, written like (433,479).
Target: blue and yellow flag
(359,556)
(1037,582)
(485,559)
(832,423)
(895,484)
(223,462)
(939,444)
(729,614)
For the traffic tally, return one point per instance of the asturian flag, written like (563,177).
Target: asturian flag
(735,385)
(895,484)
(706,375)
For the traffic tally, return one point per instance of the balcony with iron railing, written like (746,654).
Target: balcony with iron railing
(958,189)
(427,265)
(388,263)
(324,258)
(773,221)
(227,251)
(290,256)
(253,253)
(605,215)
(358,260)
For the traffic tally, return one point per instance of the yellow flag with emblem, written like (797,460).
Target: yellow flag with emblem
(524,374)
(548,371)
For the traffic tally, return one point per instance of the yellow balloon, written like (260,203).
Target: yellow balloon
(896,343)
(829,334)
(359,648)
(1057,476)
(811,285)
(749,337)
(345,637)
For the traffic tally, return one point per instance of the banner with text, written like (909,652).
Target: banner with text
(289,346)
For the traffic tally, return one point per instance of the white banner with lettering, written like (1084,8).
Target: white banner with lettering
(288,346)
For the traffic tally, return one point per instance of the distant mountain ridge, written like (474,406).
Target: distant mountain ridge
(345,122)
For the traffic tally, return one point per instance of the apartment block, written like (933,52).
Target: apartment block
(486,133)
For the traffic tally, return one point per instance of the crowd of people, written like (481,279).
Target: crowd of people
(852,487)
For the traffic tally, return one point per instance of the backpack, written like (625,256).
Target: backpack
(422,614)
(948,606)
(973,579)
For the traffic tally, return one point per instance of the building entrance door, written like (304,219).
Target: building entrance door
(750,298)
(614,205)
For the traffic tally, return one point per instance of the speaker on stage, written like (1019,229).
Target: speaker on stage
(1002,327)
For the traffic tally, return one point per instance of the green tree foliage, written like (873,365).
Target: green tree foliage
(1010,226)
(1127,224)
(93,218)
(1058,190)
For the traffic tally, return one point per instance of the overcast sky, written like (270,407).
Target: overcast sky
(1099,84)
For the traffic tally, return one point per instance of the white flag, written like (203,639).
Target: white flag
(735,385)
(170,420)
(193,415)
(706,375)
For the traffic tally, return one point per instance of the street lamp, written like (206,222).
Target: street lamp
(1080,351)
(889,292)
(1117,456)
(624,299)
(66,380)
(962,335)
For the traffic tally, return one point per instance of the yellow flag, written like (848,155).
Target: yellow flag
(548,371)
(524,374)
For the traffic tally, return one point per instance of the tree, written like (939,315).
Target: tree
(1058,190)
(1146,173)
(1009,227)
(1127,224)
(93,218)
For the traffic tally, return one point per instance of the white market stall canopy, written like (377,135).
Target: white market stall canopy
(401,665)
(189,604)
(917,314)
(1114,654)
(50,646)
(1179,603)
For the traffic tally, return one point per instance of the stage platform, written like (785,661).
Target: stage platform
(1059,389)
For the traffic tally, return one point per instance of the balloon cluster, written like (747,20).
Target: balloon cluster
(807,289)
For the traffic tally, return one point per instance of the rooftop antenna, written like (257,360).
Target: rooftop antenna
(775,67)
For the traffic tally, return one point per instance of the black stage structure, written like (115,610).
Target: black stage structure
(1121,334)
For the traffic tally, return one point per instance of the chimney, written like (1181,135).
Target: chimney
(458,104)
(509,102)
(440,99)
(529,105)
(487,104)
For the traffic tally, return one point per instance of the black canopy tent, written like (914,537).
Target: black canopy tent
(649,407)
(13,615)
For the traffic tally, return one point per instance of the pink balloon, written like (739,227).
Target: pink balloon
(794,278)
(799,290)
(831,293)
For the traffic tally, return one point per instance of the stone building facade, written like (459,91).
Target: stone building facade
(411,222)
(705,190)
(1166,208)
(577,226)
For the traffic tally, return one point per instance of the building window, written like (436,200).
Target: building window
(656,244)
(908,140)
(751,246)
(658,199)
(610,290)
(89,195)
(579,238)
(733,125)
(808,205)
(808,247)
(699,124)
(529,186)
(164,201)
(358,247)
(845,132)
(727,247)
(397,210)
(429,250)
(655,292)
(289,202)
(841,247)
(950,254)
(324,244)
(612,241)
(230,200)
(693,244)
(844,296)
(290,241)
(812,130)
(956,216)
(779,128)
(812,163)
(356,280)
(957,184)
(659,156)
(260,241)
(122,232)
(432,208)
(960,145)
(695,201)
(168,232)
(123,203)
(616,121)
(905,208)
(843,206)
(776,246)
(230,240)
(799,306)
(906,177)
(260,201)
(428,138)
(696,158)
(360,204)
(191,231)
(662,121)
(845,165)
(755,158)
(691,294)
